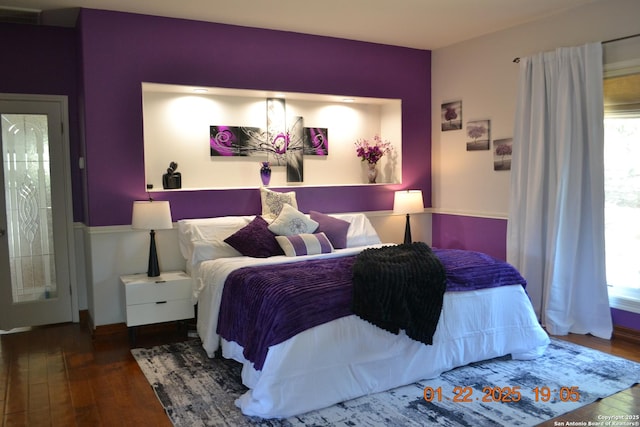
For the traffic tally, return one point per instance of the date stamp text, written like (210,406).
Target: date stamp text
(506,394)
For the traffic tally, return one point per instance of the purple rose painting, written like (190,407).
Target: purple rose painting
(284,142)
(233,141)
(316,142)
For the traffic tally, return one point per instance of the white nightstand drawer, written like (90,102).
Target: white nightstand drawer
(165,287)
(158,299)
(141,293)
(143,314)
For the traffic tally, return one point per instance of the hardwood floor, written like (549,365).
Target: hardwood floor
(60,376)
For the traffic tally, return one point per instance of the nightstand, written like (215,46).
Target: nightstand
(157,299)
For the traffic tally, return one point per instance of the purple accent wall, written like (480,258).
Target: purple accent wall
(120,51)
(43,60)
(472,233)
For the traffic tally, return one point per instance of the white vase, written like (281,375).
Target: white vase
(372,173)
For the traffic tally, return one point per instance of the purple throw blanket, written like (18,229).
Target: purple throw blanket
(265,305)
(468,270)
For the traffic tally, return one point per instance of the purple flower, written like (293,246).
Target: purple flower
(372,151)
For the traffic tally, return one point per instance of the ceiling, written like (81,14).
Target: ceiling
(421,24)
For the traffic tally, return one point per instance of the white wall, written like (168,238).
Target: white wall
(482,74)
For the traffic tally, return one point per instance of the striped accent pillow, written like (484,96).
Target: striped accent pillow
(305,244)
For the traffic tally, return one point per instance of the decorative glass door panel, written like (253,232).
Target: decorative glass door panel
(27,183)
(36,229)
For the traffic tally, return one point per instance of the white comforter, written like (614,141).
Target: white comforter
(349,357)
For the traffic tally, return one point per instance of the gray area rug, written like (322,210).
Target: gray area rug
(198,391)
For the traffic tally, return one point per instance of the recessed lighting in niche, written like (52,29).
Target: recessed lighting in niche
(172,116)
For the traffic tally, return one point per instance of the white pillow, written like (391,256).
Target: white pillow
(273,201)
(291,221)
(305,244)
(205,251)
(184,238)
(203,239)
(361,232)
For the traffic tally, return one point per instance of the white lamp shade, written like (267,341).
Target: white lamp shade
(151,215)
(408,202)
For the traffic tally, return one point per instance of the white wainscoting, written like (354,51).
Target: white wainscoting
(111,252)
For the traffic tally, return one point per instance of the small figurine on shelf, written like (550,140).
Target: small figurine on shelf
(172,179)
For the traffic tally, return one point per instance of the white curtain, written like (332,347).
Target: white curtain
(555,233)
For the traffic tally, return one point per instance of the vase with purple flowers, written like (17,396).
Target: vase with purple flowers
(371,152)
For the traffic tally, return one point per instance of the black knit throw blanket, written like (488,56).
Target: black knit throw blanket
(400,287)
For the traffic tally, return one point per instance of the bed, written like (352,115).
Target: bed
(345,357)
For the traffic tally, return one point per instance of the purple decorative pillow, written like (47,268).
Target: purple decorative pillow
(335,229)
(255,240)
(305,244)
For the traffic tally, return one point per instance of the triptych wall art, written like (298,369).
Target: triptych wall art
(284,142)
(478,135)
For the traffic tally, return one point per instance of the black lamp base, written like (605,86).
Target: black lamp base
(154,267)
(407,232)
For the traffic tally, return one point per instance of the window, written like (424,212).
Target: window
(622,200)
(622,189)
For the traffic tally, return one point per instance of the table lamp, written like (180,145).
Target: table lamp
(152,215)
(408,202)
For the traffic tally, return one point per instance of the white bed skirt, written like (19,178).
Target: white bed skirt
(349,357)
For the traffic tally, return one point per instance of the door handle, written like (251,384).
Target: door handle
(2,232)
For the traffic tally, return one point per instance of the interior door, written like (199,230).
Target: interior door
(35,217)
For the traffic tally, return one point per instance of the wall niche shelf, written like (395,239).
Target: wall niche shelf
(177,121)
